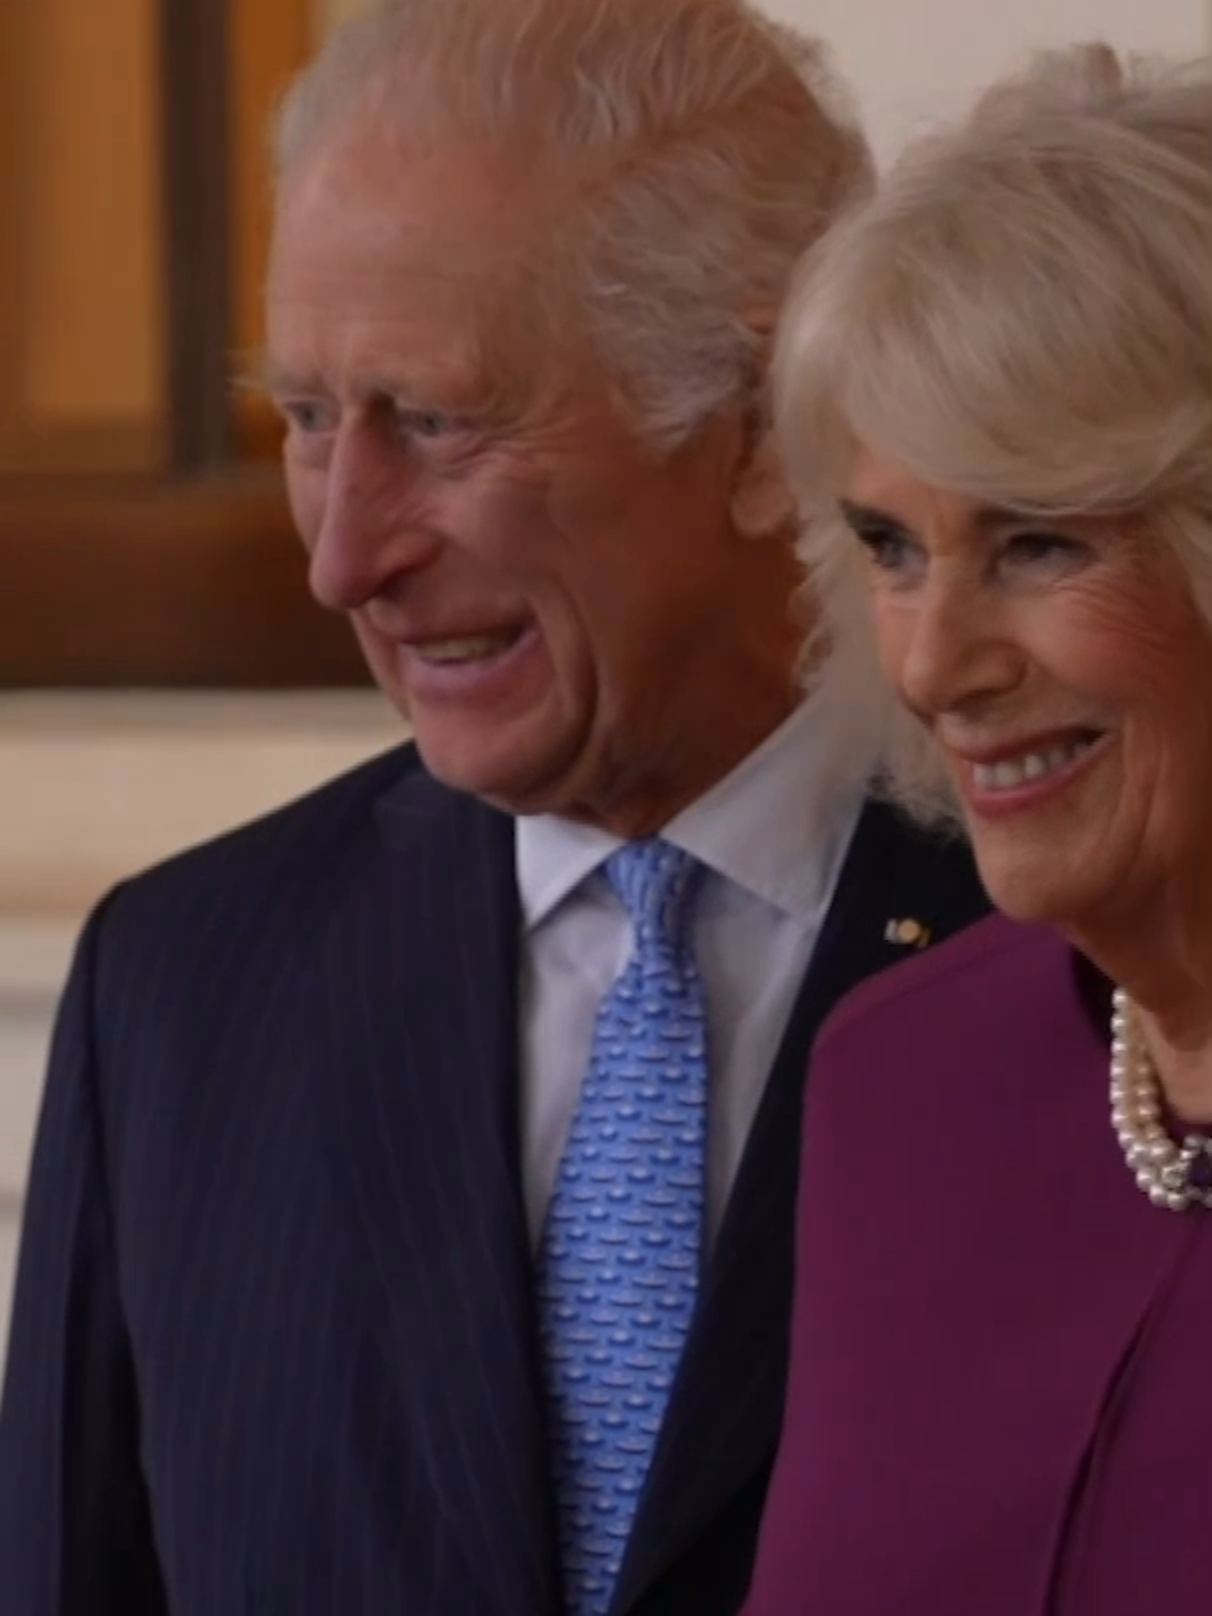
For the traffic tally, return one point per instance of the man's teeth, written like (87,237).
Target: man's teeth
(470,648)
(1012,772)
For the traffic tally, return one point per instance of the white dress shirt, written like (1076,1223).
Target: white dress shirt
(773,835)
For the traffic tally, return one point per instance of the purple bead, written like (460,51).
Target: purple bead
(1199,1174)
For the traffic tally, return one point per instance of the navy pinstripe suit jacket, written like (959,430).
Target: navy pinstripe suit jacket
(273,1349)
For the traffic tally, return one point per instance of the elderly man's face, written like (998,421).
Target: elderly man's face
(1067,677)
(572,623)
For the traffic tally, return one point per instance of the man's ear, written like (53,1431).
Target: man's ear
(762,503)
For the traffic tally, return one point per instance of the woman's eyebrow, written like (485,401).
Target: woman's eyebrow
(865,517)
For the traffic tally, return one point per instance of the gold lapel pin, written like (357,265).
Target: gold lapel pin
(907,933)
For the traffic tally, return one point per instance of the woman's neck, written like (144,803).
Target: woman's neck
(1185,1077)
(1171,987)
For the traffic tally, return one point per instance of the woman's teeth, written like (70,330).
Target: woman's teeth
(1013,772)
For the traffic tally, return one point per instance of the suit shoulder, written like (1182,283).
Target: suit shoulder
(279,849)
(987,962)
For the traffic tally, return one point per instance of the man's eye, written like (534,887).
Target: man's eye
(416,423)
(305,415)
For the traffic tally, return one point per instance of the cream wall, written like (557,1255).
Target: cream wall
(912,61)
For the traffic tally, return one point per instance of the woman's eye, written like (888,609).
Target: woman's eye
(891,548)
(888,549)
(1039,547)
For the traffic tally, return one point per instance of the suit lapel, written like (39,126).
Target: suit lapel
(724,1415)
(421,981)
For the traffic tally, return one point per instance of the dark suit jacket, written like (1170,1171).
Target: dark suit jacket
(1000,1400)
(274,1343)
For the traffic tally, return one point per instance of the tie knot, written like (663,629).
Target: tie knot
(656,883)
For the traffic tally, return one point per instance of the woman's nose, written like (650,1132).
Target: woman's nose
(957,650)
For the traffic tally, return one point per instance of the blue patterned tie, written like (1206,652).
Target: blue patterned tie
(619,1258)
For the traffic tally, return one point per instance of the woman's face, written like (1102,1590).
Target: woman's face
(1066,676)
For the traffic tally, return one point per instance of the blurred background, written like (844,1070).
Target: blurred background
(163,673)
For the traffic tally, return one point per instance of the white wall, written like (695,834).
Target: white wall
(914,61)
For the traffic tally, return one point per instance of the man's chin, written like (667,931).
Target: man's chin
(490,770)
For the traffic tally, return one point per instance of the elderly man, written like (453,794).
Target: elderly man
(409,1232)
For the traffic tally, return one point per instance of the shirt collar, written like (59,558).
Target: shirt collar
(777,825)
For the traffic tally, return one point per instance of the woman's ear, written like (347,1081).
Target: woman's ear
(762,502)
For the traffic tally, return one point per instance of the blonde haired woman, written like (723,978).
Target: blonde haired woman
(996,380)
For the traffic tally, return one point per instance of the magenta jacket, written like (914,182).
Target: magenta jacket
(1000,1401)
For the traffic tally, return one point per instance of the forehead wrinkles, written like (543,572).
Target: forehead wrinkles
(383,263)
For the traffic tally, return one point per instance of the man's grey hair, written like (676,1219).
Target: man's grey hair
(696,148)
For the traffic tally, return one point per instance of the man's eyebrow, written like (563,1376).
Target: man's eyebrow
(280,381)
(261,373)
(268,375)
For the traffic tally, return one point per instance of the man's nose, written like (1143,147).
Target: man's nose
(960,650)
(369,531)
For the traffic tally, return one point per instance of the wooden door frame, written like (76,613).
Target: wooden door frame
(193,578)
(195,122)
(16,92)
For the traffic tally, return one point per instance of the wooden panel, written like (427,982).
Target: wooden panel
(83,341)
(192,580)
(13,186)
(193,584)
(195,138)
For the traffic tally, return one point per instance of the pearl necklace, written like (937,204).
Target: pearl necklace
(1171,1175)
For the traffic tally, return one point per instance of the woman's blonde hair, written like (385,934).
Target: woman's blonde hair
(1023,315)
